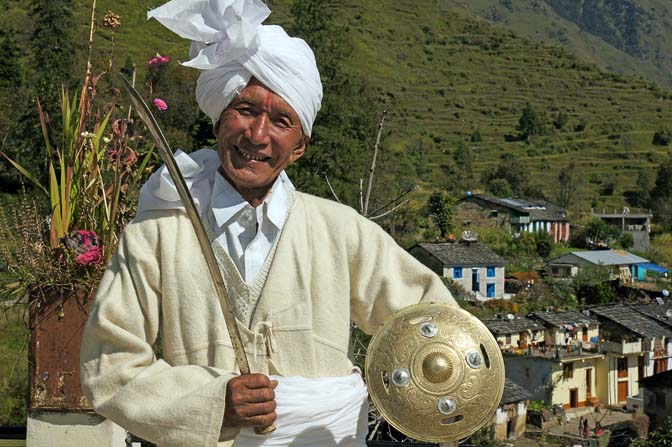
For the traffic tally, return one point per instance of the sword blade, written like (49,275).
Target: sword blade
(167,156)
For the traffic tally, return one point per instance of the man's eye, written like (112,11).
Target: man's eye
(245,110)
(283,122)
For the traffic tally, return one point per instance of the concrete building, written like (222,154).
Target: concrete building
(637,224)
(519,215)
(624,266)
(473,265)
(635,347)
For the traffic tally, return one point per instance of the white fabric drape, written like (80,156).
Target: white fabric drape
(323,412)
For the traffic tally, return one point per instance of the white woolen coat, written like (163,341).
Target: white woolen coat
(331,266)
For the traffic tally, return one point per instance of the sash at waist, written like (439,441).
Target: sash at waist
(322,412)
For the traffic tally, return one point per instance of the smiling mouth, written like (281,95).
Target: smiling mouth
(248,156)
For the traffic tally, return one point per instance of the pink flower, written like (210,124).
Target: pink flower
(160,104)
(158,60)
(86,246)
(92,256)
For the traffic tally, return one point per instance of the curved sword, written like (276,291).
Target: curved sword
(167,156)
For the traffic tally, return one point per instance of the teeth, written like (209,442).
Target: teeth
(249,156)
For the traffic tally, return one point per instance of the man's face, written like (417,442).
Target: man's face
(258,135)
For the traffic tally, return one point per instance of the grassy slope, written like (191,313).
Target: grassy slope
(540,21)
(446,73)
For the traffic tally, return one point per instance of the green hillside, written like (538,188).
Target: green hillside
(446,74)
(627,37)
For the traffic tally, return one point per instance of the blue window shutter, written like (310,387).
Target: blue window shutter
(457,272)
(491,272)
(490,293)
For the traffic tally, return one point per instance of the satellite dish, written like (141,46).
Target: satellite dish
(469,236)
(666,293)
(510,316)
(668,314)
(626,210)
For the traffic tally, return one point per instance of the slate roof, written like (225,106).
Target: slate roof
(537,209)
(514,393)
(560,319)
(600,257)
(663,379)
(632,320)
(658,312)
(464,254)
(505,326)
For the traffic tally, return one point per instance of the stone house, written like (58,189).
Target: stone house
(473,265)
(509,419)
(635,347)
(568,327)
(657,398)
(517,333)
(515,215)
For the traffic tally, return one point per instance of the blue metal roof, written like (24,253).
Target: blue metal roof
(653,267)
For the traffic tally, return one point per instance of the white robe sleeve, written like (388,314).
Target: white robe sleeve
(385,278)
(169,405)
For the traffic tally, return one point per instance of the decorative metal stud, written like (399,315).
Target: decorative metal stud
(474,359)
(401,377)
(428,330)
(447,405)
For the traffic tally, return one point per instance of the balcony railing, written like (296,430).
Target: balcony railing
(622,347)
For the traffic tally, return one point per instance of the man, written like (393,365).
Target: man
(297,268)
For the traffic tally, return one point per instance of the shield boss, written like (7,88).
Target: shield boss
(435,372)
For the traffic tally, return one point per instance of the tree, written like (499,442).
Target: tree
(662,193)
(52,49)
(662,137)
(662,437)
(642,193)
(440,210)
(343,132)
(531,122)
(569,181)
(599,233)
(543,243)
(626,240)
(507,182)
(561,120)
(10,69)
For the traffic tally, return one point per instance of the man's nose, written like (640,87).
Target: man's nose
(260,129)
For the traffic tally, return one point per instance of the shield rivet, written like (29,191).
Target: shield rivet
(401,377)
(474,359)
(428,330)
(447,405)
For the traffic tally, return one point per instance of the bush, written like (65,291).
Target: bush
(662,138)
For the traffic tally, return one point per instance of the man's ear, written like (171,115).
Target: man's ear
(300,148)
(215,128)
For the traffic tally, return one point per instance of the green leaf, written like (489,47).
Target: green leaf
(27,174)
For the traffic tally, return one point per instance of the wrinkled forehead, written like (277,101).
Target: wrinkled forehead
(257,94)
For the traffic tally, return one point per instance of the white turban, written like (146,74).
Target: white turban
(230,46)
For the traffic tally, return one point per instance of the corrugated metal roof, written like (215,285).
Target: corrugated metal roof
(609,257)
(658,312)
(537,209)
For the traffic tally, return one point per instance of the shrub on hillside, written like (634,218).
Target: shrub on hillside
(662,138)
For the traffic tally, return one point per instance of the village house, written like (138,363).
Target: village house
(473,265)
(635,347)
(515,215)
(557,376)
(657,398)
(510,417)
(624,266)
(568,328)
(637,224)
(518,333)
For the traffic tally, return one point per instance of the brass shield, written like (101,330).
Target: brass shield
(435,372)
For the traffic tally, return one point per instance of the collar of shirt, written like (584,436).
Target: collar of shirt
(227,203)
